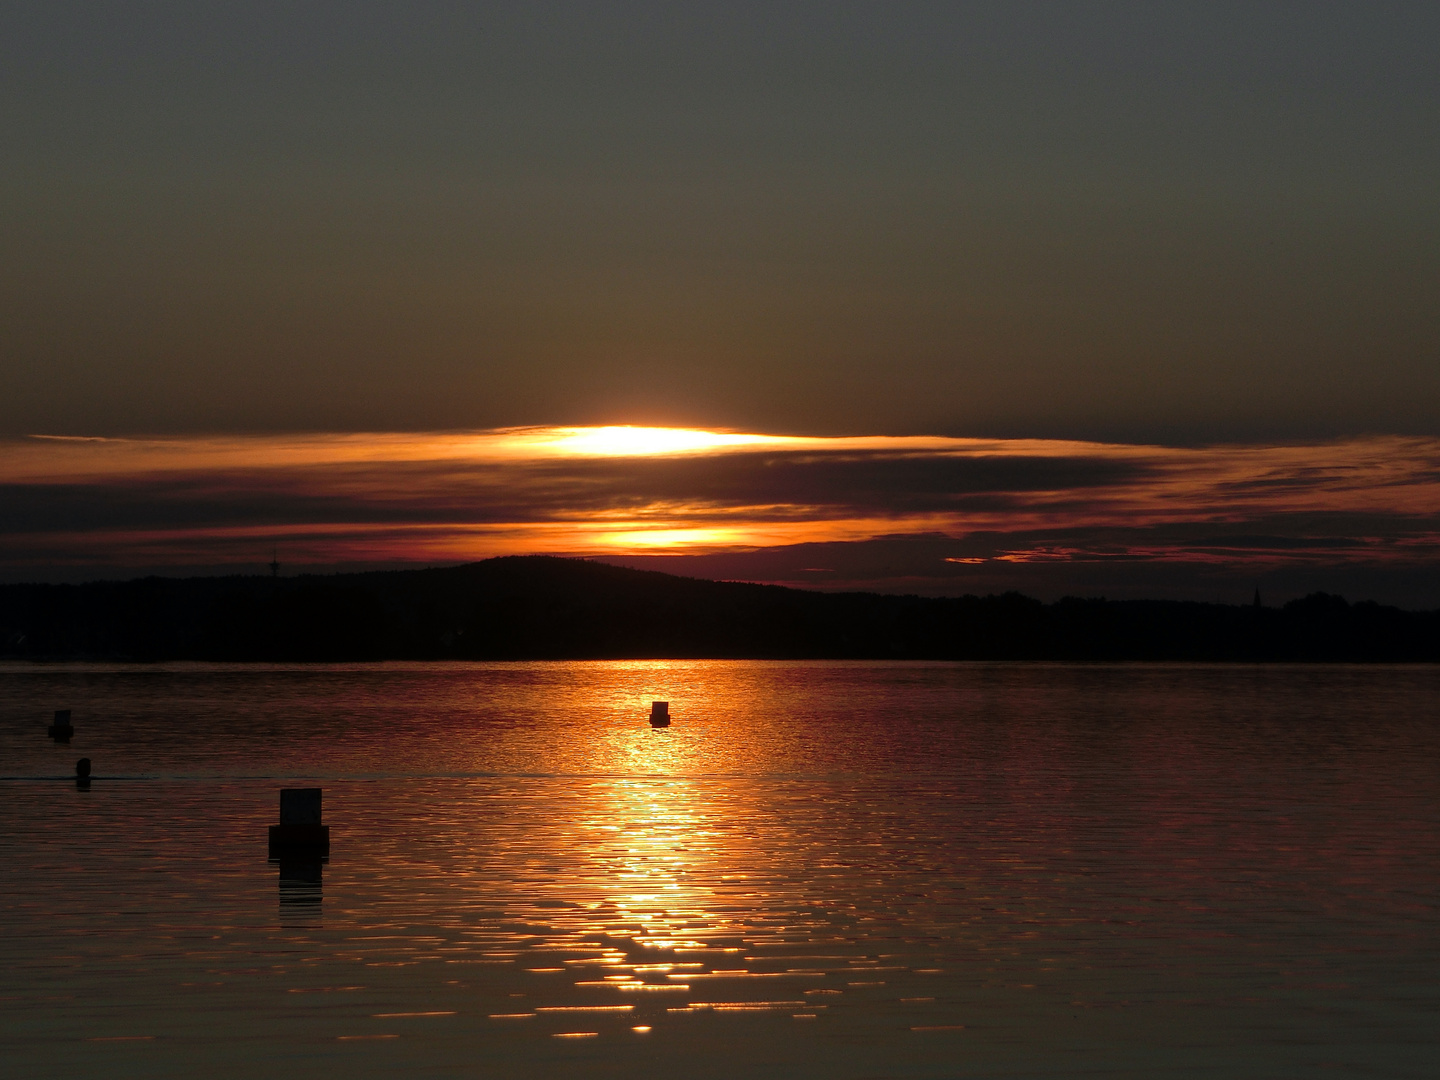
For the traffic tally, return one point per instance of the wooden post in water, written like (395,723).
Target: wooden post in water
(300,827)
(61,729)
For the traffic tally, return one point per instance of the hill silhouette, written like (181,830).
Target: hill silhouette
(539,607)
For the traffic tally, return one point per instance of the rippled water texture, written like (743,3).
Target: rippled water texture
(820,869)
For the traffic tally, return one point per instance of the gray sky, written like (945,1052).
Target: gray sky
(1171,221)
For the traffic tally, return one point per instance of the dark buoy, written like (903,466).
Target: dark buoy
(61,729)
(659,714)
(82,774)
(300,828)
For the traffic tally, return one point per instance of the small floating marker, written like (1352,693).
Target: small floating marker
(61,730)
(300,827)
(659,714)
(82,774)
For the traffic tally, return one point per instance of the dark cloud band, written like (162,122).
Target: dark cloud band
(924,514)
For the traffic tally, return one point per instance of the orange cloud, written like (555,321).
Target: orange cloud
(451,496)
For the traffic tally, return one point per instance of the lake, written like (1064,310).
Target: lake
(819,869)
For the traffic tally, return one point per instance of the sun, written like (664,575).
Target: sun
(627,441)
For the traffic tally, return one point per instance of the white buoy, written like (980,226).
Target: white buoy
(659,714)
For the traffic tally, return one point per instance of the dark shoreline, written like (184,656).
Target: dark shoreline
(541,608)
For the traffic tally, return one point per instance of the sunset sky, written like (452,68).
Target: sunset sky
(1095,298)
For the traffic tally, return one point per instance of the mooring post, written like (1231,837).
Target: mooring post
(61,730)
(300,822)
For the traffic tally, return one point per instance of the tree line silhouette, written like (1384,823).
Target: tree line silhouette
(537,607)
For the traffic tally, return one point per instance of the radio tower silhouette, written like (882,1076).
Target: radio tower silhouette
(275,563)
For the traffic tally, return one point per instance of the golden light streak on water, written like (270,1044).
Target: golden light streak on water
(821,869)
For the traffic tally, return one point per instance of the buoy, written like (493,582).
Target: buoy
(300,827)
(61,729)
(82,774)
(659,714)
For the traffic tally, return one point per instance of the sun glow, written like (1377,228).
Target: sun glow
(626,441)
(641,539)
(465,495)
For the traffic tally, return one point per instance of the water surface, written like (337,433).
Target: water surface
(827,869)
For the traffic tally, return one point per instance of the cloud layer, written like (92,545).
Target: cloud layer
(932,514)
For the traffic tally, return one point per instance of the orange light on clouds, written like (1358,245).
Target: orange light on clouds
(59,457)
(458,496)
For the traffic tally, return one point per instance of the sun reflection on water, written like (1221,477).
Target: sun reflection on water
(859,856)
